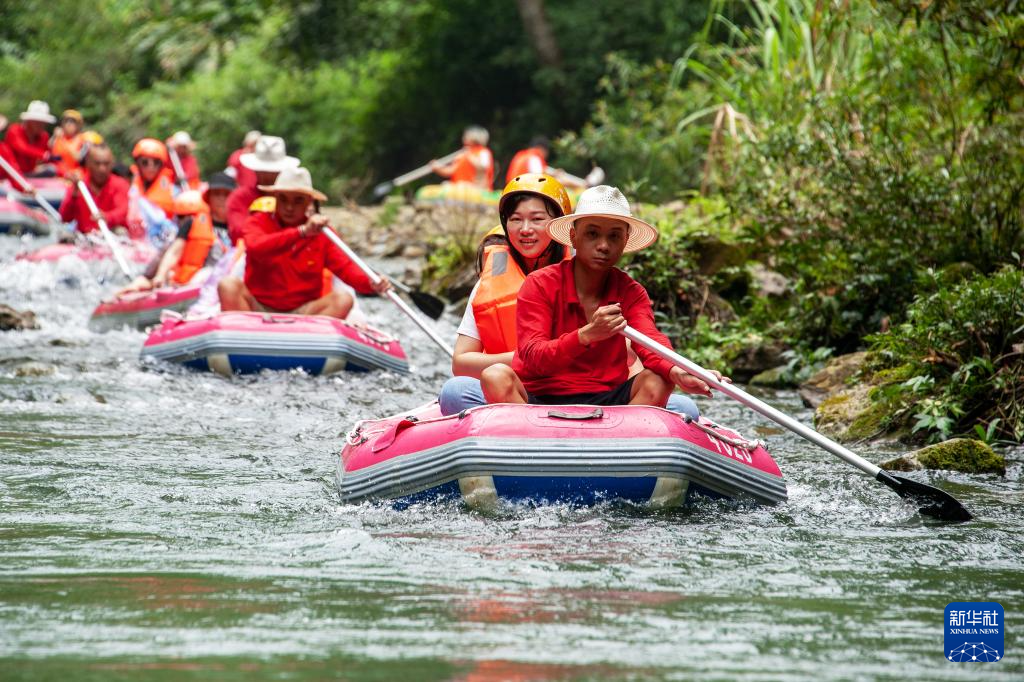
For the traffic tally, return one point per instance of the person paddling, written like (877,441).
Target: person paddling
(286,255)
(568,317)
(109,191)
(519,246)
(475,165)
(28,143)
(268,158)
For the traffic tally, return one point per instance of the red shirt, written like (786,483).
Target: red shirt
(239,201)
(550,359)
(8,155)
(243,176)
(28,153)
(465,171)
(284,270)
(112,200)
(190,167)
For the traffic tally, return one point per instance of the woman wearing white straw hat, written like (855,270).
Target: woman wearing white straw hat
(569,316)
(286,255)
(28,141)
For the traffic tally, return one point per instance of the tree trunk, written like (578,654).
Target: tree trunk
(538,30)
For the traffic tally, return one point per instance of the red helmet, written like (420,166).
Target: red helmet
(154,149)
(190,203)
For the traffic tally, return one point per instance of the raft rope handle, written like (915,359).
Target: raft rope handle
(743,443)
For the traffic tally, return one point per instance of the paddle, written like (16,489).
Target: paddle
(395,298)
(179,171)
(931,501)
(108,236)
(594,177)
(429,305)
(385,188)
(29,189)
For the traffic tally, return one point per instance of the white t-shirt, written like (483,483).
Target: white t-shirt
(468,325)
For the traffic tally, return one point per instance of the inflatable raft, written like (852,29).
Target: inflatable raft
(16,218)
(51,190)
(577,454)
(141,309)
(243,343)
(134,251)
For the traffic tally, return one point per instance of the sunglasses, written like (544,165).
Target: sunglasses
(146,161)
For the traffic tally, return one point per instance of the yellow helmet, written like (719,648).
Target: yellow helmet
(263,205)
(92,137)
(538,184)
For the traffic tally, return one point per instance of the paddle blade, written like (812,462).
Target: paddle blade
(930,500)
(383,189)
(432,306)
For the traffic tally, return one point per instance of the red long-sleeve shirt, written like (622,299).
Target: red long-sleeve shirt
(190,167)
(239,201)
(112,200)
(28,152)
(284,270)
(244,177)
(550,360)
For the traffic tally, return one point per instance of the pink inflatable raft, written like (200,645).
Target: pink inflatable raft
(577,454)
(141,309)
(16,218)
(51,190)
(134,251)
(242,343)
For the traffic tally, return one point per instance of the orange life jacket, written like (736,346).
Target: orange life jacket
(520,163)
(494,306)
(197,247)
(68,149)
(160,192)
(465,171)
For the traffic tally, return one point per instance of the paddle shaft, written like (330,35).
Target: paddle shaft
(29,189)
(179,171)
(561,174)
(425,169)
(395,298)
(108,236)
(750,401)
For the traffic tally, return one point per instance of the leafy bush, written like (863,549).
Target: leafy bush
(963,347)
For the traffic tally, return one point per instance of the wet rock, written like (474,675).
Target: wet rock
(34,369)
(12,319)
(957,454)
(765,282)
(757,358)
(713,254)
(831,378)
(776,377)
(414,251)
(849,415)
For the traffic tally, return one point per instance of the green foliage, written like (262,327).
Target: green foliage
(965,347)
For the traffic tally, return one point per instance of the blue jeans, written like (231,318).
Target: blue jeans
(462,393)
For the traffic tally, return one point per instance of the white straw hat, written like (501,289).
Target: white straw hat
(605,202)
(38,110)
(294,180)
(269,155)
(251,137)
(181,139)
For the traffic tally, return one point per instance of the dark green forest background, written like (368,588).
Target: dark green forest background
(869,152)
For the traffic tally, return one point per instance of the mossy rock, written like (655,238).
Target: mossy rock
(837,413)
(776,377)
(958,454)
(831,378)
(894,375)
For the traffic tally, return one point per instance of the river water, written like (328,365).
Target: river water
(161,524)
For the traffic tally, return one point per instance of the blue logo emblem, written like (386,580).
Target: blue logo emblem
(974,632)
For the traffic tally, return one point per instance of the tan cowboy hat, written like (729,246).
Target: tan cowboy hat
(269,155)
(38,111)
(605,202)
(181,139)
(294,180)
